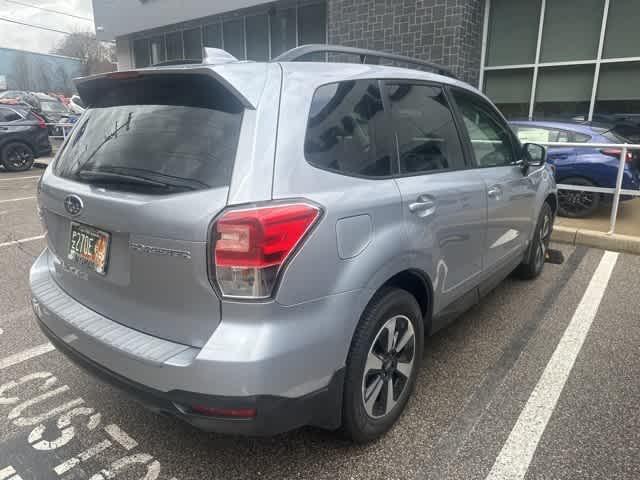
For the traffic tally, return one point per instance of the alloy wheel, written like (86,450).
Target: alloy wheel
(389,366)
(575,202)
(19,156)
(542,242)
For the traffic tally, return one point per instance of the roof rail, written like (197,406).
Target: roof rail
(364,54)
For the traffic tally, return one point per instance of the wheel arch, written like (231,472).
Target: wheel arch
(418,284)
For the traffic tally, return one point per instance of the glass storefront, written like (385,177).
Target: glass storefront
(258,37)
(561,59)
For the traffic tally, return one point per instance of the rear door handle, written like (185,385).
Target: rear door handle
(423,206)
(494,192)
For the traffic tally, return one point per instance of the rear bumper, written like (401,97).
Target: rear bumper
(288,368)
(44,150)
(273,414)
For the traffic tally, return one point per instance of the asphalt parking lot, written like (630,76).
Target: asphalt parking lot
(540,381)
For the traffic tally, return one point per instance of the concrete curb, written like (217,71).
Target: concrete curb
(592,238)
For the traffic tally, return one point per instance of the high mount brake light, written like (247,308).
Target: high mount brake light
(249,246)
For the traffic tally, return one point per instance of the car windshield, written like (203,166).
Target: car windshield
(53,107)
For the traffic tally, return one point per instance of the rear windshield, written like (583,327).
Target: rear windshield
(154,134)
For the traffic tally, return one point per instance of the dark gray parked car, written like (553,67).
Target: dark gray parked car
(23,137)
(253,247)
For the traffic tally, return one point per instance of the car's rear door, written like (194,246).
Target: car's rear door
(510,192)
(444,206)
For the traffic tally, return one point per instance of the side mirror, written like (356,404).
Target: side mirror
(533,155)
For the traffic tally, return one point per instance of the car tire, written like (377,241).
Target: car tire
(17,157)
(575,204)
(534,263)
(374,365)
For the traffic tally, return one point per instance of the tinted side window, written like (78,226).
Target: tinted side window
(580,137)
(425,131)
(532,134)
(491,140)
(8,115)
(345,131)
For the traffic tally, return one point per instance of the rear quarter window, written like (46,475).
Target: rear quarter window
(346,130)
(178,130)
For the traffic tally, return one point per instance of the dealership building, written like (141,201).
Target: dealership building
(534,58)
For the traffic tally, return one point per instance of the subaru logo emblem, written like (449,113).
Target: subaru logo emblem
(73,204)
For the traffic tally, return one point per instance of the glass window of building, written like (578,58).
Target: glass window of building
(233,33)
(193,44)
(571,30)
(507,17)
(283,31)
(571,34)
(257,38)
(564,92)
(157,50)
(510,90)
(213,35)
(619,89)
(174,46)
(141,52)
(623,18)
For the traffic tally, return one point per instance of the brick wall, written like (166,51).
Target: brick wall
(448,32)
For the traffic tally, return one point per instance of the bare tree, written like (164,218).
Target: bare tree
(96,56)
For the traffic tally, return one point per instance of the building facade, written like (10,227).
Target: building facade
(534,58)
(39,72)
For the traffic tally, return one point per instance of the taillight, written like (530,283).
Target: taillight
(250,246)
(41,122)
(615,152)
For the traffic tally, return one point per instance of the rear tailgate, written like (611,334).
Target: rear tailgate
(149,164)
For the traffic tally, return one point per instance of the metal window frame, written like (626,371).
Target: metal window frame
(597,62)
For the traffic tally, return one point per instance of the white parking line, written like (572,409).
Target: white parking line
(19,199)
(22,240)
(6,473)
(25,355)
(516,454)
(12,179)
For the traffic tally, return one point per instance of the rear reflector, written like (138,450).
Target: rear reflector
(251,245)
(224,412)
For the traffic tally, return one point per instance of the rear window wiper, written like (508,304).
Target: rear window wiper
(164,179)
(92,176)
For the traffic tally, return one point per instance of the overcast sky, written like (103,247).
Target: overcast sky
(37,40)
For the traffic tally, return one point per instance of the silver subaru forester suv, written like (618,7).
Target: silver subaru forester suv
(253,247)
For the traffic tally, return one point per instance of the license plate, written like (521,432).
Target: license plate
(89,246)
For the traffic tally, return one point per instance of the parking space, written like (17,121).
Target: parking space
(479,379)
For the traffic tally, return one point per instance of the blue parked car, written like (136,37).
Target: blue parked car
(582,166)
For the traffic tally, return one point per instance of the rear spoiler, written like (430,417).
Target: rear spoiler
(245,81)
